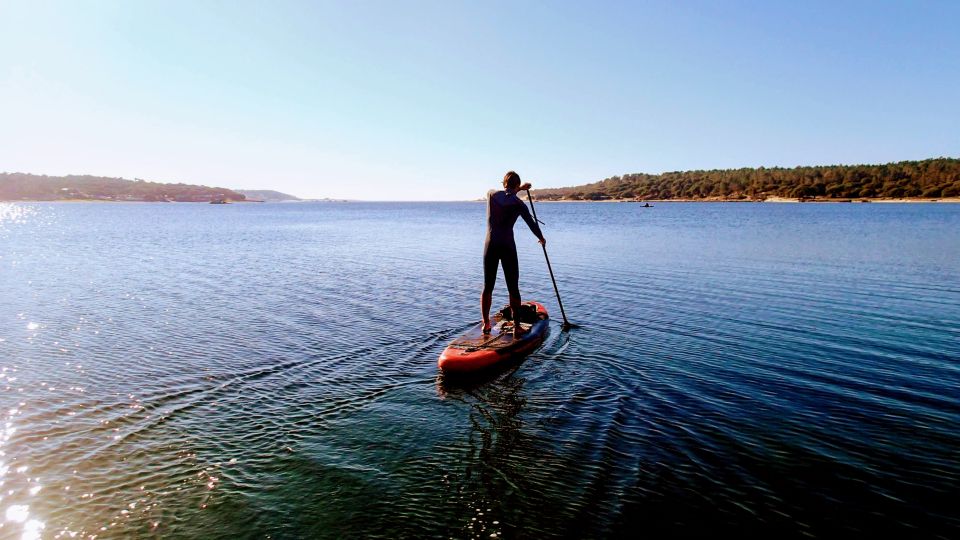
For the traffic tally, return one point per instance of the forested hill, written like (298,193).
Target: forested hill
(20,186)
(267,195)
(931,178)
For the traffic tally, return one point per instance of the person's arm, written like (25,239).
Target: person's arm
(532,223)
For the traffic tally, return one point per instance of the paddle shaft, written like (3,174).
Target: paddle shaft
(566,323)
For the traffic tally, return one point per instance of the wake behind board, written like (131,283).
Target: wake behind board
(475,350)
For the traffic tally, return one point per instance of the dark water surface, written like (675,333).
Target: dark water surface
(204,371)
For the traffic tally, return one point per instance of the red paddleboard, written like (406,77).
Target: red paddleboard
(475,350)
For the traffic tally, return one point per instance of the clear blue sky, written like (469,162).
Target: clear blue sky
(436,100)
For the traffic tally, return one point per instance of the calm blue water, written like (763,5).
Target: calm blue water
(205,371)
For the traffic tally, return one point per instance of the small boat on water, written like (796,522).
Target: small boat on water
(219,201)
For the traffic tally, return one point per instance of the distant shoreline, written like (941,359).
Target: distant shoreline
(903,181)
(242,201)
(776,200)
(110,201)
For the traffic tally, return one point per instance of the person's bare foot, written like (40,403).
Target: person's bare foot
(519,331)
(486,327)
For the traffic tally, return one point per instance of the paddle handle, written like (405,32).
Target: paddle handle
(549,268)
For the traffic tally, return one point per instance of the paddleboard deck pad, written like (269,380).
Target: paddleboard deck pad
(476,350)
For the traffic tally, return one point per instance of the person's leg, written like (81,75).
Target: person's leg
(486,298)
(511,272)
(490,261)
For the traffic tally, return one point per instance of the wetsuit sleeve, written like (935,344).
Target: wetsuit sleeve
(525,214)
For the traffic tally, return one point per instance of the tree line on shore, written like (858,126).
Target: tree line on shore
(22,186)
(931,178)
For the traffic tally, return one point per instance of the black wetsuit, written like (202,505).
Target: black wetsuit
(503,209)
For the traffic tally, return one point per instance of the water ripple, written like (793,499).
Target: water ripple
(269,370)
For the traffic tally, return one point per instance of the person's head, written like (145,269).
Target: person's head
(511,180)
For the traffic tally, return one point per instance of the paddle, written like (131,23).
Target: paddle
(566,324)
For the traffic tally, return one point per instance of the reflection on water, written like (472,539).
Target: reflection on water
(491,478)
(18,487)
(12,213)
(198,371)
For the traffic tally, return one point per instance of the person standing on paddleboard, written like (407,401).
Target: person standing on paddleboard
(503,209)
